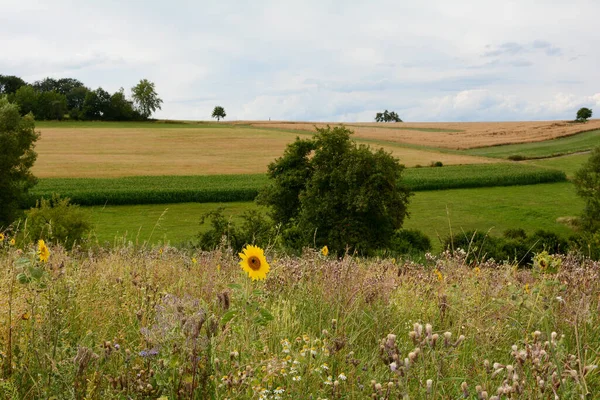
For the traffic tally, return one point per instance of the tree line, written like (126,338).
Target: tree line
(57,99)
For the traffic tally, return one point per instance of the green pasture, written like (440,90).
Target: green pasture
(226,188)
(549,148)
(436,213)
(568,164)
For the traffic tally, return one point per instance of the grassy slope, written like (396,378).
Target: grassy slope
(549,148)
(528,207)
(568,164)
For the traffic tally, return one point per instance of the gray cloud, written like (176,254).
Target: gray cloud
(316,59)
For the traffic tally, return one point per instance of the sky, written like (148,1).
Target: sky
(305,60)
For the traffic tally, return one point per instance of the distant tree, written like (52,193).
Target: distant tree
(387,116)
(145,98)
(584,114)
(120,108)
(9,84)
(51,105)
(587,184)
(17,135)
(75,101)
(46,85)
(96,105)
(26,98)
(218,113)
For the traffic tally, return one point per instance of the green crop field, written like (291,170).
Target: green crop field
(569,164)
(548,148)
(225,188)
(530,207)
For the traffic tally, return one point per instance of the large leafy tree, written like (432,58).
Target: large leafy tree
(145,98)
(218,113)
(9,84)
(587,183)
(387,116)
(26,97)
(17,135)
(330,191)
(96,104)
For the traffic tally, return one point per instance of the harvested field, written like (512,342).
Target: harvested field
(93,150)
(453,135)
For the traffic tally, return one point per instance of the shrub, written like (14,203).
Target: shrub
(336,193)
(17,138)
(517,233)
(436,164)
(409,241)
(517,157)
(255,228)
(57,220)
(587,183)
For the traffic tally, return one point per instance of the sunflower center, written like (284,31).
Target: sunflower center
(254,263)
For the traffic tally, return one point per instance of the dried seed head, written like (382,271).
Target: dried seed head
(429,385)
(428,329)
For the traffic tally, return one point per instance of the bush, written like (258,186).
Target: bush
(436,164)
(255,228)
(409,241)
(331,191)
(58,221)
(587,183)
(17,138)
(517,157)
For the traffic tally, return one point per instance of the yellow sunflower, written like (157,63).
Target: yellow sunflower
(43,251)
(12,242)
(1,237)
(254,262)
(325,251)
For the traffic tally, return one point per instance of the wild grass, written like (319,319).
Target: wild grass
(550,148)
(228,188)
(160,323)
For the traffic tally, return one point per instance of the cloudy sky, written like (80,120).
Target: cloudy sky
(342,60)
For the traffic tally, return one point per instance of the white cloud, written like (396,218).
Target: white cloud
(319,60)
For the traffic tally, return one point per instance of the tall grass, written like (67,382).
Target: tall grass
(228,188)
(160,323)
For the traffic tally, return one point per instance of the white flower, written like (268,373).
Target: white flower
(342,377)
(297,378)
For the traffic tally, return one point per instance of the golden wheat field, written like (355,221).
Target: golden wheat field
(102,151)
(453,135)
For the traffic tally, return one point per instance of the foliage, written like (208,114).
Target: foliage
(587,183)
(409,241)
(387,116)
(51,105)
(96,104)
(17,136)
(26,99)
(9,84)
(56,220)
(218,113)
(583,114)
(514,247)
(145,98)
(349,196)
(254,229)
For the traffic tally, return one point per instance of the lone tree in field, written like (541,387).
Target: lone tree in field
(17,136)
(145,98)
(583,114)
(218,113)
(587,183)
(387,116)
(330,191)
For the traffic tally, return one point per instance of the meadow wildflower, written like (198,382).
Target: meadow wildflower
(254,262)
(12,242)
(325,251)
(439,275)
(43,251)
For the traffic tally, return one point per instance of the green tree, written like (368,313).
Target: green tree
(145,98)
(120,108)
(9,84)
(387,116)
(26,98)
(96,104)
(17,135)
(584,114)
(51,105)
(218,113)
(330,191)
(587,183)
